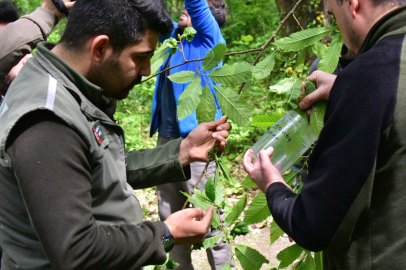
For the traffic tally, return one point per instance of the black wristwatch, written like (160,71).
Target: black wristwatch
(168,240)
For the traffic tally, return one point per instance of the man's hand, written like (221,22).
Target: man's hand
(200,141)
(49,5)
(324,83)
(16,69)
(262,171)
(189,226)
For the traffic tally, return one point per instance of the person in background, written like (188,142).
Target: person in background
(8,13)
(206,17)
(19,37)
(67,183)
(352,206)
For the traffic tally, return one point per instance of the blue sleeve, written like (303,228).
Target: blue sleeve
(203,21)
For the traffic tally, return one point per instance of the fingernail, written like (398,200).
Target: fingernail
(302,105)
(214,135)
(219,128)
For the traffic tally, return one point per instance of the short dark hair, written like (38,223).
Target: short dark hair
(8,12)
(219,10)
(123,21)
(381,2)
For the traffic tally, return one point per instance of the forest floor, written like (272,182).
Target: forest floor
(258,238)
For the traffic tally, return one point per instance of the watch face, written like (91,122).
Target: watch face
(169,242)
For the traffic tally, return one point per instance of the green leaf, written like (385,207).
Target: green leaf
(258,210)
(220,192)
(210,242)
(302,39)
(159,58)
(189,33)
(232,75)
(308,263)
(317,116)
(227,266)
(214,57)
(264,68)
(317,49)
(330,60)
(215,220)
(235,213)
(182,76)
(286,86)
(276,232)
(310,87)
(236,109)
(224,171)
(293,100)
(289,178)
(200,200)
(240,228)
(248,183)
(249,258)
(189,99)
(206,110)
(267,120)
(210,190)
(300,61)
(170,264)
(318,259)
(289,255)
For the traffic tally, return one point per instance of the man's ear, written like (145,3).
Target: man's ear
(354,6)
(101,48)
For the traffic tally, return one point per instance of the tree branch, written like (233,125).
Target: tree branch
(271,38)
(197,60)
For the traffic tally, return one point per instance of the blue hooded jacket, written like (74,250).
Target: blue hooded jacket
(208,35)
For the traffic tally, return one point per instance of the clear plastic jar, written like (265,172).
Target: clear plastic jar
(290,137)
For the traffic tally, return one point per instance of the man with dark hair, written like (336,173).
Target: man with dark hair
(352,206)
(8,13)
(66,181)
(19,37)
(206,17)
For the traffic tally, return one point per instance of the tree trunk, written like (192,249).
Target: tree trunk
(307,12)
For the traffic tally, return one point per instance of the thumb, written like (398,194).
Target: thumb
(206,220)
(212,125)
(310,99)
(264,158)
(69,5)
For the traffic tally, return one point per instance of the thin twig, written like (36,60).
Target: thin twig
(183,51)
(294,16)
(272,37)
(197,60)
(197,183)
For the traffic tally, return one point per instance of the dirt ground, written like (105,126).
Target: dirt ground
(258,239)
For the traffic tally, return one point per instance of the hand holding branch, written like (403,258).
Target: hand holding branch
(189,226)
(200,141)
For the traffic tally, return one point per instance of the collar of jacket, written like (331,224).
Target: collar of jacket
(91,91)
(391,24)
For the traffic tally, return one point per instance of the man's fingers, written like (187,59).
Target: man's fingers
(213,125)
(69,4)
(206,220)
(310,99)
(225,126)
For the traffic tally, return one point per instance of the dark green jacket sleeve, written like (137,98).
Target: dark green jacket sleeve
(50,162)
(151,167)
(22,36)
